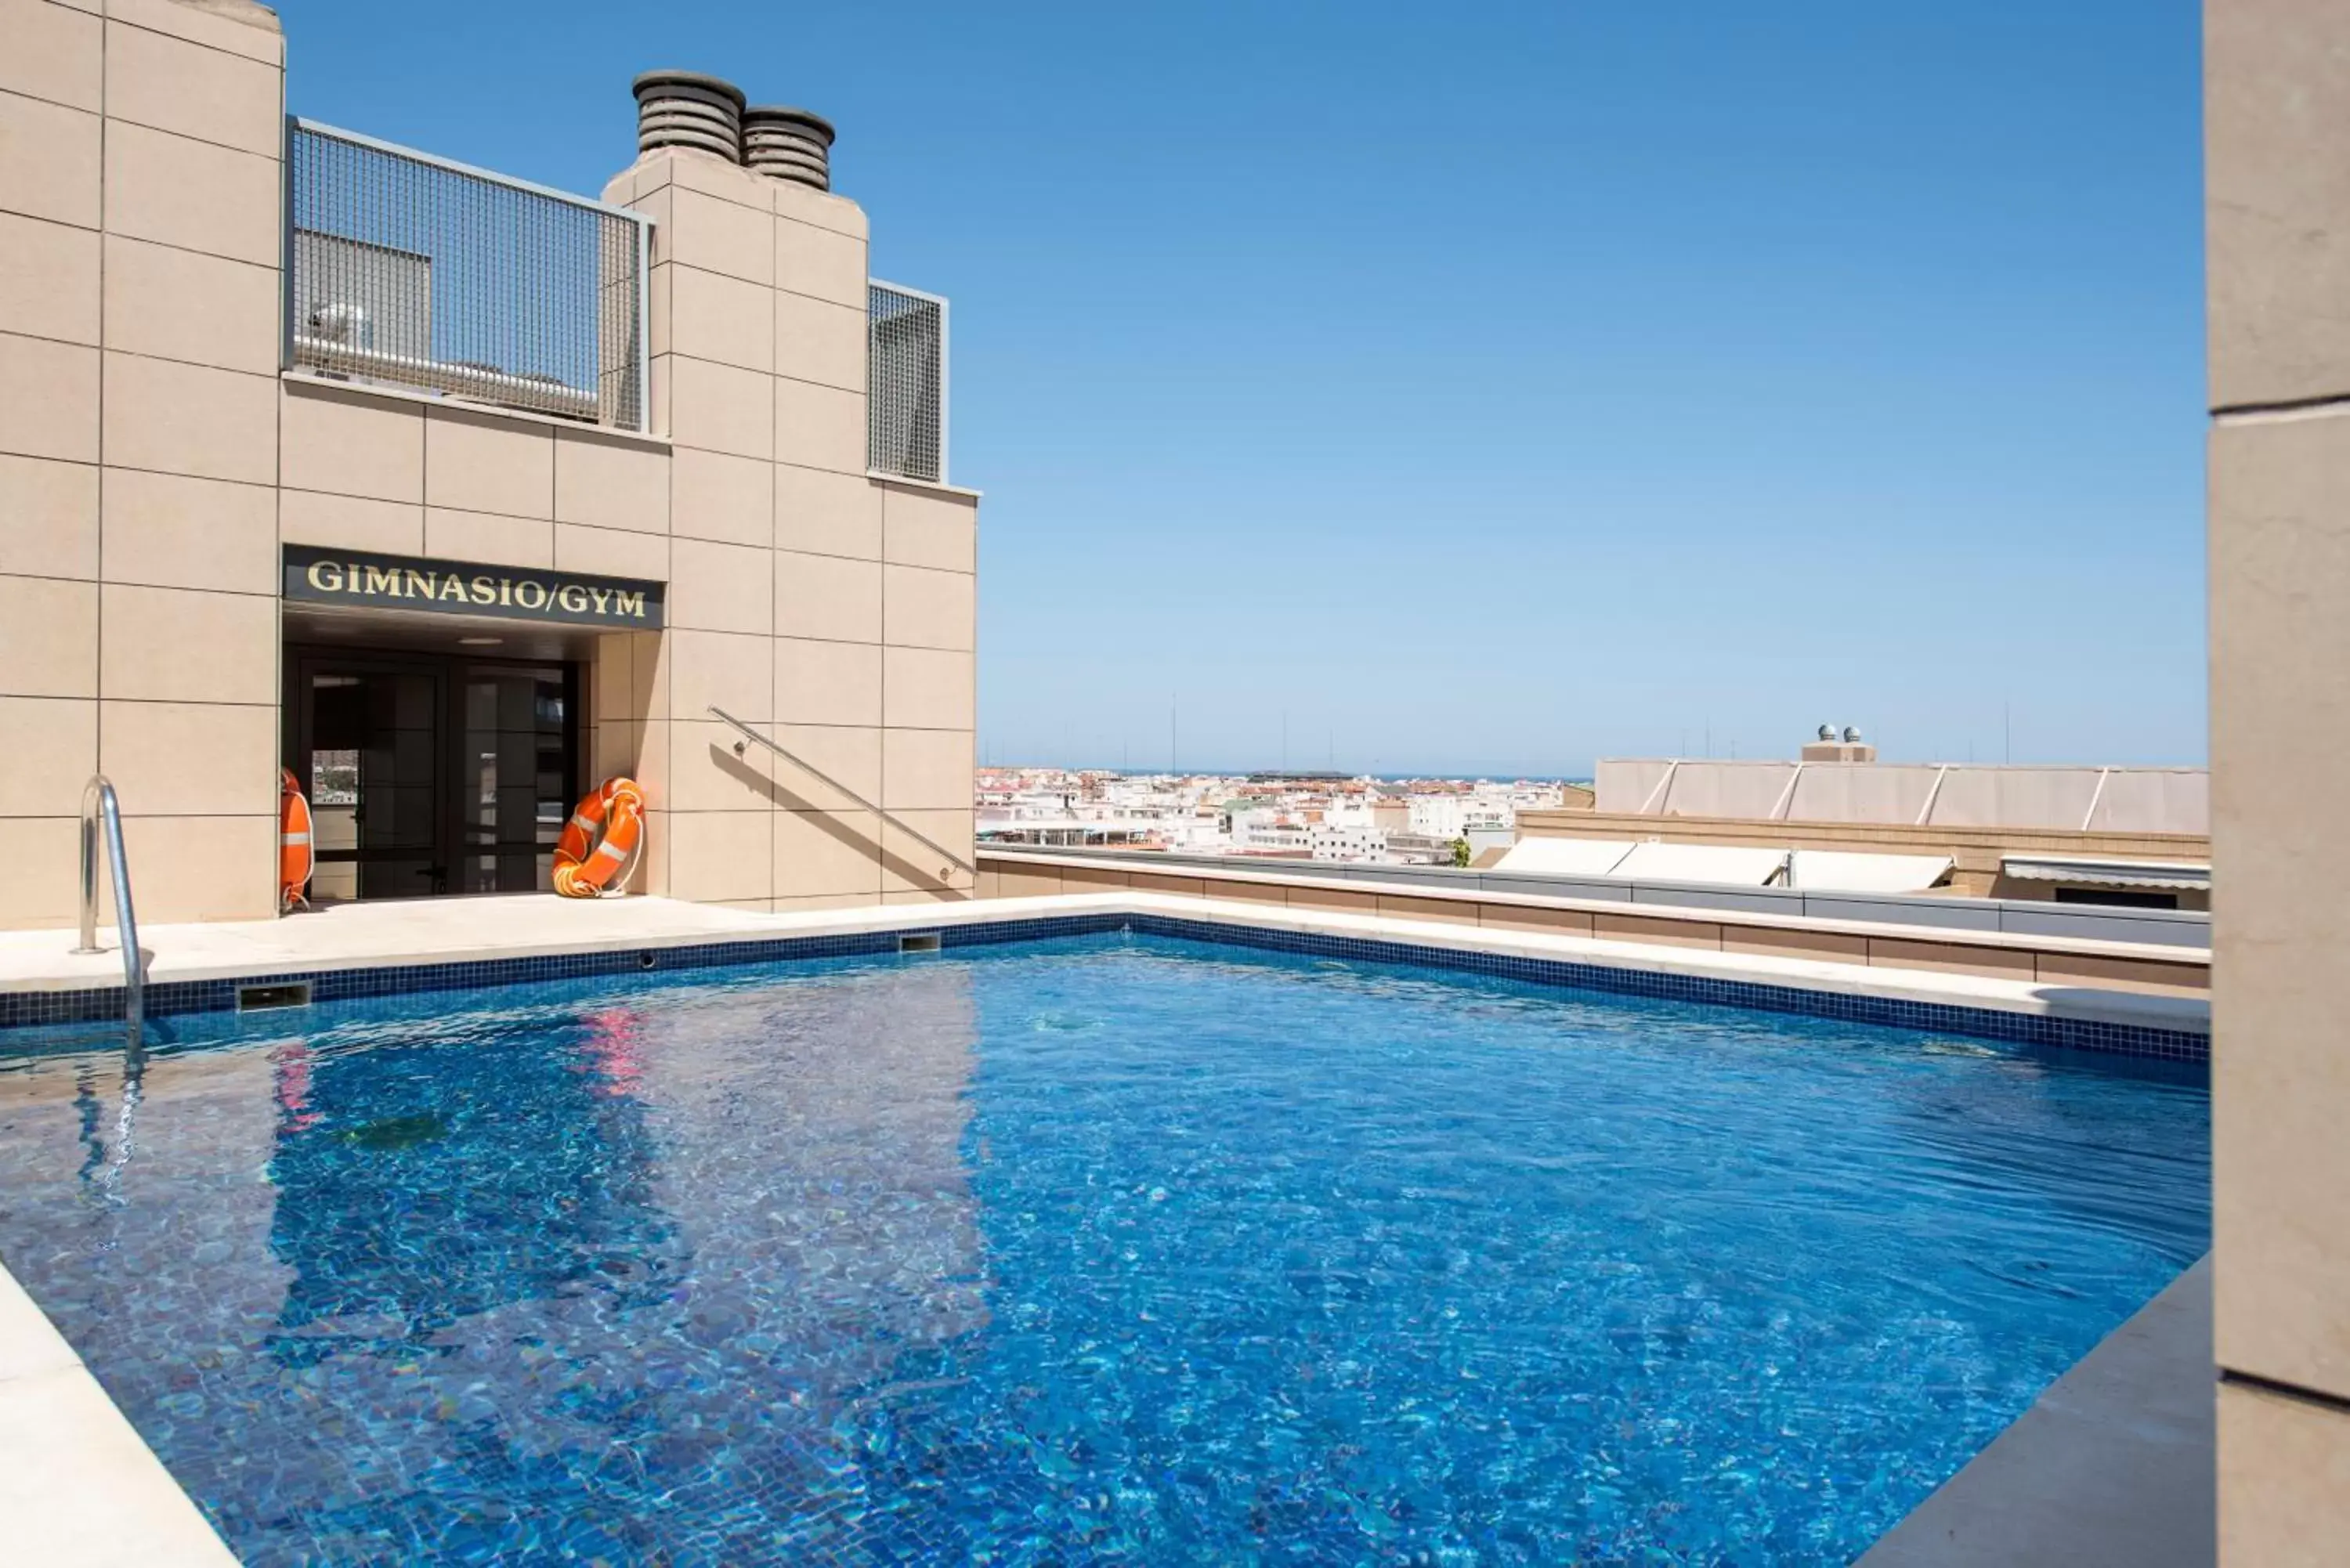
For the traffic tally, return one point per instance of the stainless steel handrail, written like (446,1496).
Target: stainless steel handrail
(909,829)
(99,804)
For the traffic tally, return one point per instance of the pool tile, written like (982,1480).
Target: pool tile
(22,1008)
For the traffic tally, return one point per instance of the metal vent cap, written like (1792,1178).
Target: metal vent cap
(787,143)
(690,109)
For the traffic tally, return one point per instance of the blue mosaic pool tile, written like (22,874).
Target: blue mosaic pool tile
(102,1004)
(1979,1022)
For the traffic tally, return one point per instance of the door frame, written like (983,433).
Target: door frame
(297,730)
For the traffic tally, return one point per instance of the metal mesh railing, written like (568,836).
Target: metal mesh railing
(906,381)
(407,269)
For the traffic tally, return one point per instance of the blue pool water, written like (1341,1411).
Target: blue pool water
(1111,1250)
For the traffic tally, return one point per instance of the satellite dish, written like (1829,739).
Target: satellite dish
(1827,731)
(1851,734)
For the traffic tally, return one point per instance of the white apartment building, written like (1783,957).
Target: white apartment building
(1342,841)
(1451,816)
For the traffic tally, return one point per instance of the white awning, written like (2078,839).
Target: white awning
(1564,857)
(2184,876)
(1717,863)
(1848,871)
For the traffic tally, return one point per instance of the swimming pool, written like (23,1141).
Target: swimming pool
(1116,1247)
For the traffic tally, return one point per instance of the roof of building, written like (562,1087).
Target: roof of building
(1929,794)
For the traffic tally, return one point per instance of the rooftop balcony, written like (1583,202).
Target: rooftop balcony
(413,271)
(407,270)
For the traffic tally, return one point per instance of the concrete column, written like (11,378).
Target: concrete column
(2277,87)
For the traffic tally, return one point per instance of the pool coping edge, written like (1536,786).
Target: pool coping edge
(2125,1022)
(80,1487)
(2112,1463)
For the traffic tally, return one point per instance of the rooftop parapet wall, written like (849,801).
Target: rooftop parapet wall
(2163,969)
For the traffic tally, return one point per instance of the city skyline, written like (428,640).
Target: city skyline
(1098,752)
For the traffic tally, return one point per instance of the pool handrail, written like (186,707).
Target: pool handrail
(100,807)
(909,829)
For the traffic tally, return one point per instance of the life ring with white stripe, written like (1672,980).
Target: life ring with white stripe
(599,844)
(296,858)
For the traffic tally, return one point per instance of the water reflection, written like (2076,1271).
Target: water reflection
(423,1184)
(589,1278)
(102,1168)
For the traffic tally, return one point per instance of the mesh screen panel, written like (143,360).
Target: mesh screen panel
(407,271)
(907,359)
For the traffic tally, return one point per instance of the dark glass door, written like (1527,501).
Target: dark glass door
(429,774)
(373,778)
(515,784)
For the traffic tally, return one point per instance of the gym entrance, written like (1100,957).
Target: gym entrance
(431,774)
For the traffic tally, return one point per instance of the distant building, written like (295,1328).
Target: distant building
(1339,842)
(2120,836)
(1420,849)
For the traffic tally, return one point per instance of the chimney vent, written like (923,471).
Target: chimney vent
(686,109)
(785,144)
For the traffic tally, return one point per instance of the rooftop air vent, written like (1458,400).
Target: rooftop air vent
(785,144)
(687,109)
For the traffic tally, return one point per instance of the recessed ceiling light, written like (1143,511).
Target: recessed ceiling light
(479,641)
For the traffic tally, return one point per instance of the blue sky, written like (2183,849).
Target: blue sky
(1492,388)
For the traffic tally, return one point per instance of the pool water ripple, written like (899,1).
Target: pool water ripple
(1111,1249)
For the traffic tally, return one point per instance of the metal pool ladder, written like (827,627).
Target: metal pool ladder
(99,808)
(908,829)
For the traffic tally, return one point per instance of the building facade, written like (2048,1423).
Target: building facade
(2115,835)
(451,497)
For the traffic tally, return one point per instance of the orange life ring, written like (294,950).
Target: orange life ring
(601,840)
(296,858)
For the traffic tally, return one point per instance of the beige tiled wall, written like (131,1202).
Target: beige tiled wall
(153,463)
(2277,87)
(349,442)
(371,470)
(139,444)
(788,606)
(53,279)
